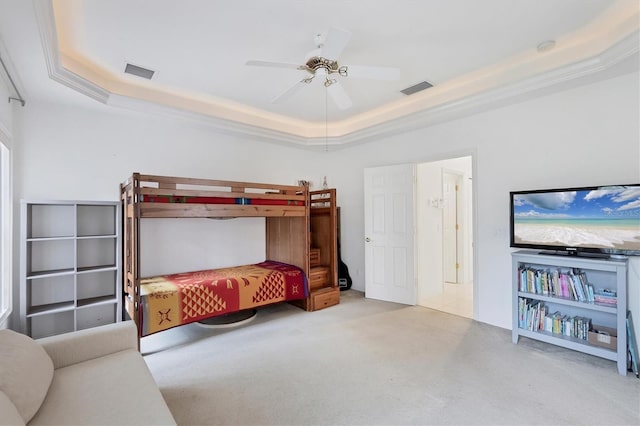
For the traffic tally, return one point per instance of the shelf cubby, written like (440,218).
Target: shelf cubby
(94,315)
(50,220)
(96,252)
(49,290)
(96,285)
(44,256)
(51,323)
(96,220)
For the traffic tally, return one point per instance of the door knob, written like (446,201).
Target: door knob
(367,239)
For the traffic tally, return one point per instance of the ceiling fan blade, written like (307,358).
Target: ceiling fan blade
(339,96)
(273,64)
(374,73)
(334,43)
(290,91)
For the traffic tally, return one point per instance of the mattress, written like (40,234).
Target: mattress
(218,200)
(172,300)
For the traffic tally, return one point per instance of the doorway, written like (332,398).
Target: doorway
(444,218)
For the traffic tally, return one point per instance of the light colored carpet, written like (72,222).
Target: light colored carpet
(366,362)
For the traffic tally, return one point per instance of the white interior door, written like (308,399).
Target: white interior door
(389,233)
(450,226)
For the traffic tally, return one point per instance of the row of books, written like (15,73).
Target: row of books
(606,297)
(571,284)
(533,315)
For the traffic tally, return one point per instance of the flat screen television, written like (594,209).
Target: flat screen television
(599,220)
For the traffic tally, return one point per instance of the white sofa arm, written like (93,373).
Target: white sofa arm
(83,345)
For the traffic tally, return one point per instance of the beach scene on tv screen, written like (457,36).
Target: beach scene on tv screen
(606,218)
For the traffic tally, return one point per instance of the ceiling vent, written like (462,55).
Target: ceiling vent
(417,88)
(139,71)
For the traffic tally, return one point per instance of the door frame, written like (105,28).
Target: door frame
(472,240)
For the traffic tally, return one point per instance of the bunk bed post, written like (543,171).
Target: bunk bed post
(129,190)
(135,241)
(333,213)
(124,259)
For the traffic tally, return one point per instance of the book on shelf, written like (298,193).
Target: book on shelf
(576,286)
(606,297)
(571,284)
(533,315)
(548,324)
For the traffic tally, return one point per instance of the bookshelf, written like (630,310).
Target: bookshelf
(579,303)
(70,266)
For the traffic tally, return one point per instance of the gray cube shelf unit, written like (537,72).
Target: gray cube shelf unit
(601,274)
(69,266)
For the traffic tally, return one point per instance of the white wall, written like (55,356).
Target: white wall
(584,136)
(6,249)
(71,153)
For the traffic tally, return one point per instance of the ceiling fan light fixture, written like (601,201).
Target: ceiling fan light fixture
(423,85)
(323,62)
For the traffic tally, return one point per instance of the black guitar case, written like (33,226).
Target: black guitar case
(344,279)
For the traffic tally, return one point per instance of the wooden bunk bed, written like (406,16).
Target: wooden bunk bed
(287,212)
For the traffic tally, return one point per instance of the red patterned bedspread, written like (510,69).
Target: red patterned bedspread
(172,300)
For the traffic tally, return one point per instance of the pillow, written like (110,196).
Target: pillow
(26,372)
(8,412)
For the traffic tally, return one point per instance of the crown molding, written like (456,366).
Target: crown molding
(420,111)
(224,126)
(57,72)
(500,96)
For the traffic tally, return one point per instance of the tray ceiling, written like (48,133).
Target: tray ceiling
(474,53)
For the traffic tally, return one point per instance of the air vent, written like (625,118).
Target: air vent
(139,71)
(417,88)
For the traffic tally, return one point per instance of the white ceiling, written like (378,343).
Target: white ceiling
(198,48)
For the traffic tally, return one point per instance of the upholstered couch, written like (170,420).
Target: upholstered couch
(93,376)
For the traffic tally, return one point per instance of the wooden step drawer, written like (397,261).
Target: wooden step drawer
(314,257)
(323,299)
(318,277)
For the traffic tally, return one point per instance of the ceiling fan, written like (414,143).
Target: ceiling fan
(322,62)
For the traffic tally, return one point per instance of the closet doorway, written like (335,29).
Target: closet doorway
(444,222)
